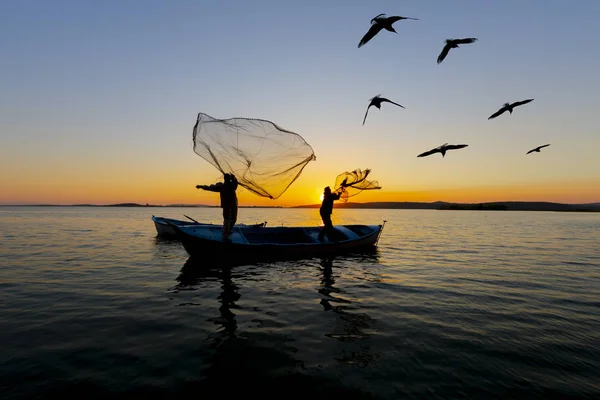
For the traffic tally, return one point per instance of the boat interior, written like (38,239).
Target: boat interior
(283,235)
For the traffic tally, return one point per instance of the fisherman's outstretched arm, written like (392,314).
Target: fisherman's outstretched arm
(210,188)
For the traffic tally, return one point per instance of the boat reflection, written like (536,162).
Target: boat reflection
(262,362)
(254,360)
(194,273)
(352,326)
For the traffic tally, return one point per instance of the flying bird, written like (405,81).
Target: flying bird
(376,101)
(537,149)
(453,44)
(378,23)
(442,149)
(509,107)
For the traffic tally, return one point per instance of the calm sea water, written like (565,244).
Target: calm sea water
(454,304)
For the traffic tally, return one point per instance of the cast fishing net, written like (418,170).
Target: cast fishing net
(265,158)
(351,183)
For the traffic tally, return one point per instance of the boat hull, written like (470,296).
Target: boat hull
(275,243)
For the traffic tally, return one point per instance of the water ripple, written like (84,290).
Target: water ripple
(451,305)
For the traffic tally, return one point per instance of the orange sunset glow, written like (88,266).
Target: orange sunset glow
(308,190)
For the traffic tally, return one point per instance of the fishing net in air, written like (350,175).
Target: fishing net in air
(265,158)
(351,183)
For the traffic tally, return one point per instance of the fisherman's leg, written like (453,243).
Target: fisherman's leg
(329,228)
(226,218)
(327,225)
(322,231)
(233,218)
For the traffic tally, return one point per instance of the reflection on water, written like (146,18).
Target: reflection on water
(451,305)
(263,361)
(351,326)
(193,273)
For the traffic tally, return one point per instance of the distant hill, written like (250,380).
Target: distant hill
(491,206)
(153,205)
(385,204)
(525,206)
(126,205)
(108,205)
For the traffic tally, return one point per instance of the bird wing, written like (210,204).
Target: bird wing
(456,146)
(444,53)
(373,30)
(430,152)
(546,145)
(383,99)
(465,40)
(377,18)
(520,103)
(365,118)
(397,18)
(497,113)
(530,151)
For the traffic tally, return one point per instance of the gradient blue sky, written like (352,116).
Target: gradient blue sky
(98,99)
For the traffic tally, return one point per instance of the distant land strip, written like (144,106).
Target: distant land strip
(437,205)
(490,206)
(128,205)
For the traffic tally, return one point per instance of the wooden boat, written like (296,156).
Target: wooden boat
(164,225)
(253,243)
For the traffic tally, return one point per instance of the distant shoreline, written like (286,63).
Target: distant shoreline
(129,205)
(438,205)
(488,206)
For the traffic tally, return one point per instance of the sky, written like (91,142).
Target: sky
(98,99)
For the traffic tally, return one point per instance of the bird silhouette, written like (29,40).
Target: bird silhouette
(453,44)
(376,101)
(537,149)
(442,149)
(378,23)
(509,107)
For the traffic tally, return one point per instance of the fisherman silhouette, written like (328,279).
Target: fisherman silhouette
(229,201)
(326,210)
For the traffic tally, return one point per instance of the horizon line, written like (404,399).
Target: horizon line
(134,204)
